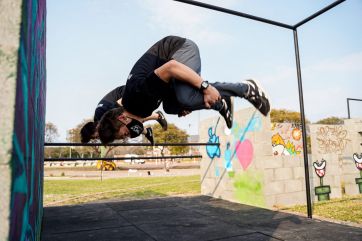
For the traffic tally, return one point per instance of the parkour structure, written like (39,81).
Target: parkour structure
(22,111)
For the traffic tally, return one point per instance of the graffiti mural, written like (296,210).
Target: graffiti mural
(332,139)
(213,150)
(28,137)
(321,191)
(237,146)
(286,139)
(358,161)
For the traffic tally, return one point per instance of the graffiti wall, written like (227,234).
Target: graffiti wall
(27,120)
(243,168)
(287,139)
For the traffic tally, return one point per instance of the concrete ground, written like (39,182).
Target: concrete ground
(185,218)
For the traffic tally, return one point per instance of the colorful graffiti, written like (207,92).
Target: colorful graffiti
(28,137)
(249,189)
(332,139)
(321,191)
(237,145)
(286,139)
(213,150)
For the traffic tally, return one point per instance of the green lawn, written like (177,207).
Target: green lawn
(344,209)
(65,192)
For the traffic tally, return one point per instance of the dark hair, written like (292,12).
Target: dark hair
(87,131)
(109,125)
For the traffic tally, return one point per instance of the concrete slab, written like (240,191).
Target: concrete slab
(185,218)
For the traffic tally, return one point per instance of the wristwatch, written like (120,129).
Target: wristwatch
(204,85)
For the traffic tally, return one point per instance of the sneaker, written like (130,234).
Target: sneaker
(227,111)
(149,135)
(162,120)
(257,97)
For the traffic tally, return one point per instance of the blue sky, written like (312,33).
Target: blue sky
(93,44)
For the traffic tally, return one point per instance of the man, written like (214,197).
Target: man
(113,100)
(169,72)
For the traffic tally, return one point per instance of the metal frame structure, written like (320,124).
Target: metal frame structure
(125,158)
(118,158)
(299,74)
(349,99)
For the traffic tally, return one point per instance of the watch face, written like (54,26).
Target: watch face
(204,85)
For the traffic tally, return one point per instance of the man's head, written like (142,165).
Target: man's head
(113,126)
(88,132)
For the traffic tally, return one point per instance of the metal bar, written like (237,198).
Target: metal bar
(354,99)
(304,131)
(317,13)
(117,158)
(236,13)
(348,99)
(131,144)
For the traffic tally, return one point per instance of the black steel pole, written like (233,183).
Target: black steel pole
(236,13)
(304,130)
(130,144)
(348,99)
(349,114)
(117,158)
(318,13)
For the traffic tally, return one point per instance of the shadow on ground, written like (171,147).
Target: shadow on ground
(184,218)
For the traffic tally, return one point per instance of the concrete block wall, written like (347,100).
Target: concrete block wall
(23,77)
(245,168)
(336,144)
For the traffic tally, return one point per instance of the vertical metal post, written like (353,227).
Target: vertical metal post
(304,130)
(349,113)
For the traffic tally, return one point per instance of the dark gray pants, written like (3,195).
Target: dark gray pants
(187,97)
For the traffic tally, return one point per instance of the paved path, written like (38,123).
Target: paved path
(185,218)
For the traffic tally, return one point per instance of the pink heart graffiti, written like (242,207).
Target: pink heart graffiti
(244,152)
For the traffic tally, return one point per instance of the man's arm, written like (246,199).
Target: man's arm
(181,72)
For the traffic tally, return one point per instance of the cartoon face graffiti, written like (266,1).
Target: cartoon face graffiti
(358,160)
(320,168)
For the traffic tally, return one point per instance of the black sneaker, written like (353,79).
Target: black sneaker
(162,120)
(257,97)
(227,111)
(149,135)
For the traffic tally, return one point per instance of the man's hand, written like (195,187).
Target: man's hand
(211,95)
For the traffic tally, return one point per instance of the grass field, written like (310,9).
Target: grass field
(344,209)
(65,192)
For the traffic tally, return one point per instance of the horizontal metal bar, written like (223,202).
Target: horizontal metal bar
(318,13)
(131,144)
(354,99)
(118,158)
(236,13)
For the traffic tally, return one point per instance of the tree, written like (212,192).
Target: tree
(331,121)
(51,132)
(73,135)
(172,135)
(283,115)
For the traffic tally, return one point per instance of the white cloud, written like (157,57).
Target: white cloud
(184,19)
